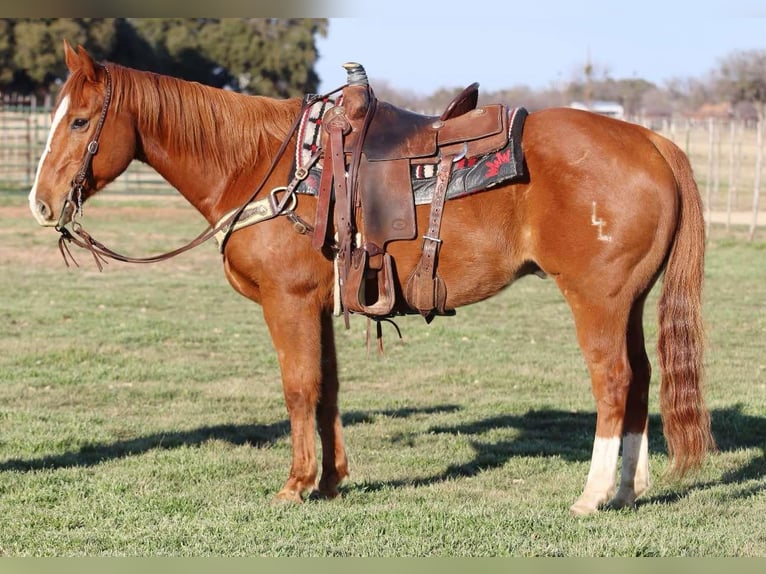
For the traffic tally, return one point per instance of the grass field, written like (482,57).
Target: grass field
(141,414)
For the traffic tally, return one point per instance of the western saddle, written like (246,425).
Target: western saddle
(370,148)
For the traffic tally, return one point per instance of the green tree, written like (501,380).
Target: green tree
(6,52)
(36,59)
(268,56)
(174,48)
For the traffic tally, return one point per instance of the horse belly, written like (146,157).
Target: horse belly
(482,249)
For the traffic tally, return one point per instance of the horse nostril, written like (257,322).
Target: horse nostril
(44,210)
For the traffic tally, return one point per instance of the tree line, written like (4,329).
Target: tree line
(267,56)
(737,84)
(276,57)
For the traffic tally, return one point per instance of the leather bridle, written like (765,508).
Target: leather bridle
(71,230)
(73,203)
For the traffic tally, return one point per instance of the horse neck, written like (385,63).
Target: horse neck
(215,146)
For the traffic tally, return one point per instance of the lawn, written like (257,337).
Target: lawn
(141,414)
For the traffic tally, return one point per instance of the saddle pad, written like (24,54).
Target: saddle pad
(480,173)
(310,129)
(470,175)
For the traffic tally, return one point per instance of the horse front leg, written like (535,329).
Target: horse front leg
(303,336)
(334,460)
(296,332)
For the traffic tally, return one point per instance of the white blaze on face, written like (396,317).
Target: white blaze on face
(57,119)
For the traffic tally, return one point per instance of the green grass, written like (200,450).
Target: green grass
(141,413)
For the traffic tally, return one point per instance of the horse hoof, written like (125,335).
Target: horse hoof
(619,502)
(323,494)
(286,496)
(583,508)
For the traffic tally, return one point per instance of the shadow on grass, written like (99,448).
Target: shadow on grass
(570,436)
(733,430)
(254,435)
(543,433)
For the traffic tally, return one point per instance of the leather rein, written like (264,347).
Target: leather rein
(72,231)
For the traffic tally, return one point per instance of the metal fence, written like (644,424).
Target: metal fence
(727,158)
(24,126)
(723,153)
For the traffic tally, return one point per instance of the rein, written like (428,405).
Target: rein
(72,231)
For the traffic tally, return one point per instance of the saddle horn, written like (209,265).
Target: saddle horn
(355,74)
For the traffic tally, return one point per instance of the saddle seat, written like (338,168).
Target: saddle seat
(369,149)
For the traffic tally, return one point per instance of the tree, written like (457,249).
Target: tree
(268,56)
(741,77)
(35,45)
(272,57)
(628,92)
(656,103)
(174,48)
(688,94)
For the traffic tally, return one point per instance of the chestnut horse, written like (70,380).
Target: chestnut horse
(606,208)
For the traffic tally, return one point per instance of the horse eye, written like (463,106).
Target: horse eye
(79,123)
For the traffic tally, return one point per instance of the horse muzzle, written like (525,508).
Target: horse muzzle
(46,217)
(43,213)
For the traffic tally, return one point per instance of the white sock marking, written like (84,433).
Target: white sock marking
(603,463)
(635,462)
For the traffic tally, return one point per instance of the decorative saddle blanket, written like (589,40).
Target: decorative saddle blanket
(469,175)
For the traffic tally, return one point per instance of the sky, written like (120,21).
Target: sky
(422,45)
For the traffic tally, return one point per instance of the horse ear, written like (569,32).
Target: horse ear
(87,63)
(70,57)
(79,60)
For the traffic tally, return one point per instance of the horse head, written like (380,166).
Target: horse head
(90,142)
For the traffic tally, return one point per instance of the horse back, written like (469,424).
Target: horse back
(599,204)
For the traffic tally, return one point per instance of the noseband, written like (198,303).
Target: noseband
(73,203)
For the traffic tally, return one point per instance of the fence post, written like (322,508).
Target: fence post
(757,184)
(732,183)
(32,135)
(708,179)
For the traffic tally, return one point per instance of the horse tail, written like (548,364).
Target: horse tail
(681,340)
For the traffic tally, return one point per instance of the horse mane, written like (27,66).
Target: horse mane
(225,128)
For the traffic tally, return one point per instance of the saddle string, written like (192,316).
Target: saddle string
(379,332)
(100,252)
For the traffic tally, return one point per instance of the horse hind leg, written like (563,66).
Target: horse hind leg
(635,478)
(602,334)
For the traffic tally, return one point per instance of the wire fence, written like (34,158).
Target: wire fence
(24,127)
(724,154)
